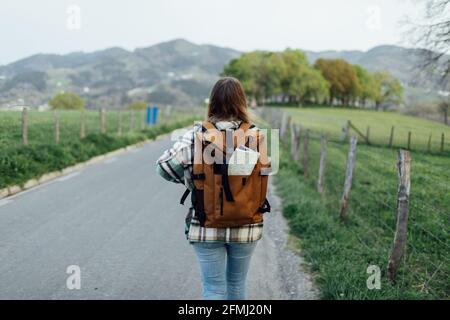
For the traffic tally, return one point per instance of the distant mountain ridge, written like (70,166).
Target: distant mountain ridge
(176,72)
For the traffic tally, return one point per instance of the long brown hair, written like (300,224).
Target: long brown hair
(227,101)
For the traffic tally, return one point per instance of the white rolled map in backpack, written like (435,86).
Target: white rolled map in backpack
(242,161)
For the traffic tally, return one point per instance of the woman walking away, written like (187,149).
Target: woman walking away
(224,166)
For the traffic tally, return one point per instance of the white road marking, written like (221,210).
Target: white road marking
(5,202)
(69,176)
(111,160)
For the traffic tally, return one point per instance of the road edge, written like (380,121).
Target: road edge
(17,189)
(297,279)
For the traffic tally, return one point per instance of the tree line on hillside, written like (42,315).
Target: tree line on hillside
(72,101)
(287,77)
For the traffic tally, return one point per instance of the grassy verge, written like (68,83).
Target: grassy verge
(339,254)
(41,125)
(20,163)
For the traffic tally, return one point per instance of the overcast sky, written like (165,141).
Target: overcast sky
(54,26)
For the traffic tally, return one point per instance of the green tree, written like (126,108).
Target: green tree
(243,69)
(67,101)
(138,105)
(273,73)
(294,64)
(309,86)
(344,83)
(368,90)
(388,90)
(258,72)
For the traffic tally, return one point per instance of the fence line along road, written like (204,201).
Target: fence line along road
(398,203)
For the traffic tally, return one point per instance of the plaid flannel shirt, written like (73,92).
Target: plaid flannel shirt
(175,165)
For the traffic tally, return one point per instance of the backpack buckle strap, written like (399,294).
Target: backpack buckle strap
(197,201)
(201,216)
(265,207)
(222,169)
(200,176)
(226,184)
(217,168)
(265,171)
(198,166)
(184,196)
(225,180)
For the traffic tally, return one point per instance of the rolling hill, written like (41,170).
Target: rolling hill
(176,72)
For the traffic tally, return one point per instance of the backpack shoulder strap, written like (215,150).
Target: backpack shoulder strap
(206,125)
(245,126)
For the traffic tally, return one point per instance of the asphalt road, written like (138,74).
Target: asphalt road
(122,225)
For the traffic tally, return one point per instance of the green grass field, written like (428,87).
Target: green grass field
(42,124)
(332,120)
(339,254)
(19,163)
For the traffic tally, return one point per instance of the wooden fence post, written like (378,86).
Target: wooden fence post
(346,131)
(131,120)
(102,121)
(323,164)
(25,126)
(401,230)
(429,144)
(266,114)
(442,142)
(391,137)
(295,141)
(57,138)
(409,141)
(348,178)
(272,117)
(82,125)
(119,129)
(275,116)
(285,122)
(279,119)
(305,158)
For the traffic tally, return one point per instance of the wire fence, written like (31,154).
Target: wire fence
(34,127)
(376,203)
(405,133)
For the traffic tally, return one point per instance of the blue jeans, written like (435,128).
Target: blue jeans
(223,268)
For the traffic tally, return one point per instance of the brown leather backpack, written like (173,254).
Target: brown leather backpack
(222,200)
